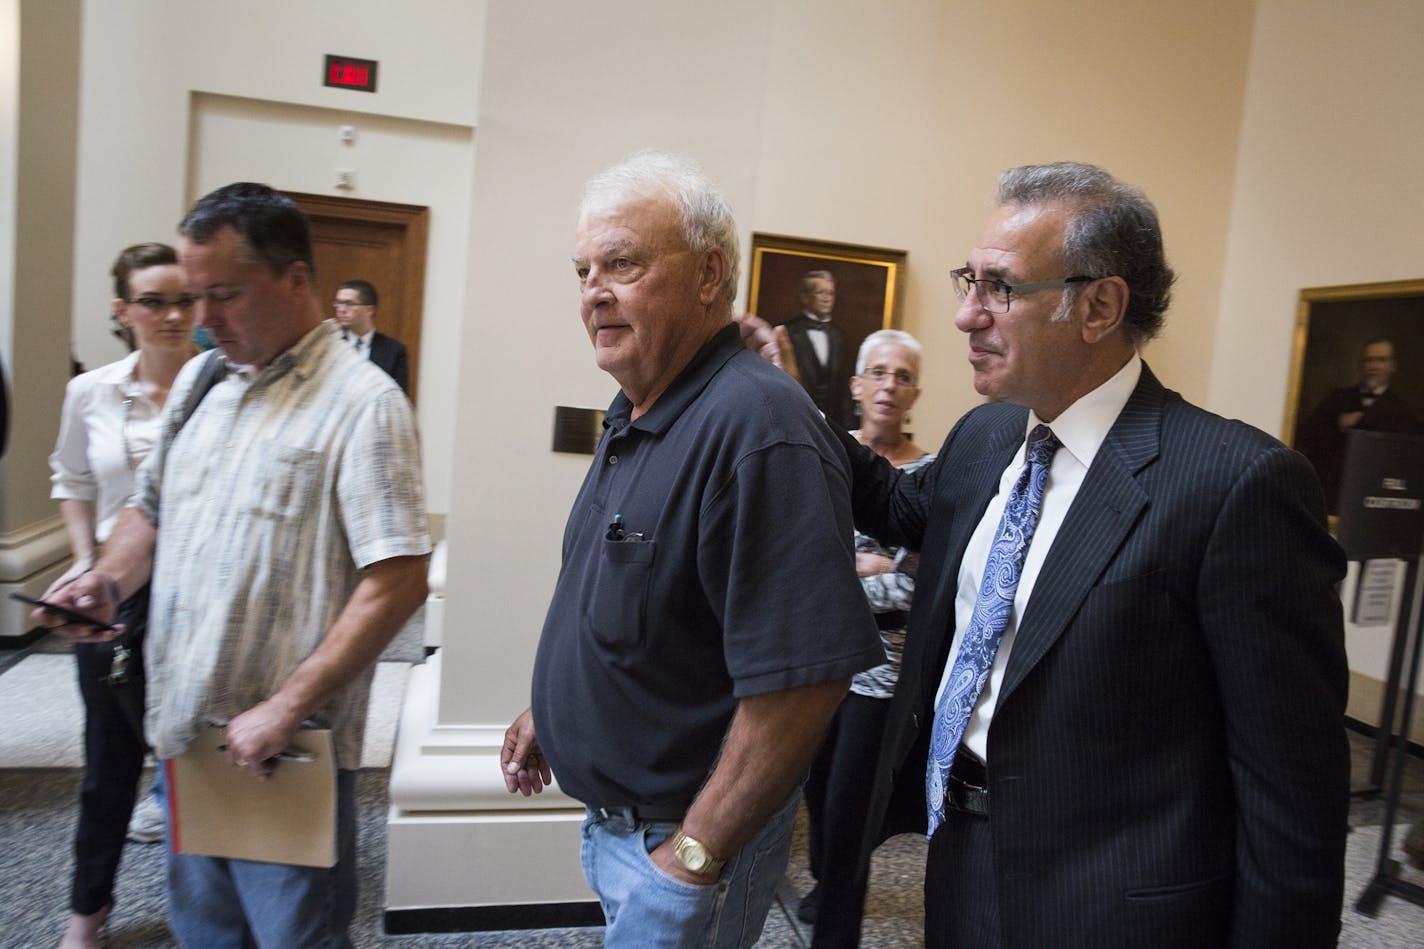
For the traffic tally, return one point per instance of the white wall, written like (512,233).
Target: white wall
(146,61)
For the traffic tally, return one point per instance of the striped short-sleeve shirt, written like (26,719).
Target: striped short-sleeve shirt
(282,487)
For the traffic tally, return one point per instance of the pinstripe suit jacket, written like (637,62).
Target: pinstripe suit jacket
(1167,763)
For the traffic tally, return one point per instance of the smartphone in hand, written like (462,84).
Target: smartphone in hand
(71,615)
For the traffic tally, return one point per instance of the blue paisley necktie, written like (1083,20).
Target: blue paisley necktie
(991,615)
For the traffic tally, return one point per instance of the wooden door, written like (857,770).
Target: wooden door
(380,242)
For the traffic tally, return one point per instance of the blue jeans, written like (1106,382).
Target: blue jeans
(645,907)
(216,903)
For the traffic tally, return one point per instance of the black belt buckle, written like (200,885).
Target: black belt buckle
(646,813)
(630,814)
(967,798)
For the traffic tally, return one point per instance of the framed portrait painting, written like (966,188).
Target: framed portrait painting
(1358,363)
(830,297)
(869,282)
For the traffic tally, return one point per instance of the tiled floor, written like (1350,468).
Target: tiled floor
(39,783)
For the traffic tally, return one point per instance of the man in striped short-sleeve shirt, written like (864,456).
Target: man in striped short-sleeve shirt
(294,545)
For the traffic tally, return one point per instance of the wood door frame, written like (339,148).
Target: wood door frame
(412,219)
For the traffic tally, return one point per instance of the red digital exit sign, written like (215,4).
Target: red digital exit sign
(343,72)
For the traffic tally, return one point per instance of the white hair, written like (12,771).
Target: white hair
(706,215)
(884,338)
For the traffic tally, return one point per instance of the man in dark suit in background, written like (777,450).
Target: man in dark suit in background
(824,359)
(1130,732)
(355,307)
(1370,405)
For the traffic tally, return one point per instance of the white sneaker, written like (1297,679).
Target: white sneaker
(149,821)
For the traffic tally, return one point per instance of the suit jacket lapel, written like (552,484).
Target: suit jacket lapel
(1109,503)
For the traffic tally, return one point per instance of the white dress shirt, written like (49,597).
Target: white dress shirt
(819,342)
(362,344)
(106,429)
(1081,429)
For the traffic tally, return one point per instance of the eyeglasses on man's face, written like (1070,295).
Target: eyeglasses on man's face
(994,295)
(901,377)
(344,304)
(156,304)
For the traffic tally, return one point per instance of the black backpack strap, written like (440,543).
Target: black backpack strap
(126,674)
(211,373)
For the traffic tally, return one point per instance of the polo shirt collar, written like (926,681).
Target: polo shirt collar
(684,389)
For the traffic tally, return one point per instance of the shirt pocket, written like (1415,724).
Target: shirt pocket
(617,608)
(290,480)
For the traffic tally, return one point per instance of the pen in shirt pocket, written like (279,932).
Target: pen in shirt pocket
(616,532)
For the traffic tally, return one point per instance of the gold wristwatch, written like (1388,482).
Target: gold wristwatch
(694,855)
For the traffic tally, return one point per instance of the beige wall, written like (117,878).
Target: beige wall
(395,159)
(563,95)
(845,121)
(1329,190)
(888,124)
(43,212)
(38,96)
(1329,182)
(145,62)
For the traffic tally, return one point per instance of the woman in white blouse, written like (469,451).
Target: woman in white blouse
(109,423)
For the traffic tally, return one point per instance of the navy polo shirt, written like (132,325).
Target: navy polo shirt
(731,573)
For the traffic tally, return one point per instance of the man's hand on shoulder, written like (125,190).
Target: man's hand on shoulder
(769,342)
(524,767)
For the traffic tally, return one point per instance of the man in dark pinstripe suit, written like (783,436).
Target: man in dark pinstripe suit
(1157,757)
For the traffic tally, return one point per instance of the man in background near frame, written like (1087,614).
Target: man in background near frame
(684,676)
(1121,705)
(1370,405)
(294,547)
(355,307)
(824,358)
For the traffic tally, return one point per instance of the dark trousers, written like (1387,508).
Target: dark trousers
(837,802)
(113,762)
(961,905)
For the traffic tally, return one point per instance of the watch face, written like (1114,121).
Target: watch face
(693,855)
(687,852)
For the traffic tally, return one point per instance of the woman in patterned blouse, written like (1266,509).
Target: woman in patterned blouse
(885,386)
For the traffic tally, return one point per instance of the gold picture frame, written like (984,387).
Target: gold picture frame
(1333,326)
(870,282)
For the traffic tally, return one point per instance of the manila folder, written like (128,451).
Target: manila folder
(222,811)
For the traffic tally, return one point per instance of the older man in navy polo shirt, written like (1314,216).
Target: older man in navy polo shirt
(707,616)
